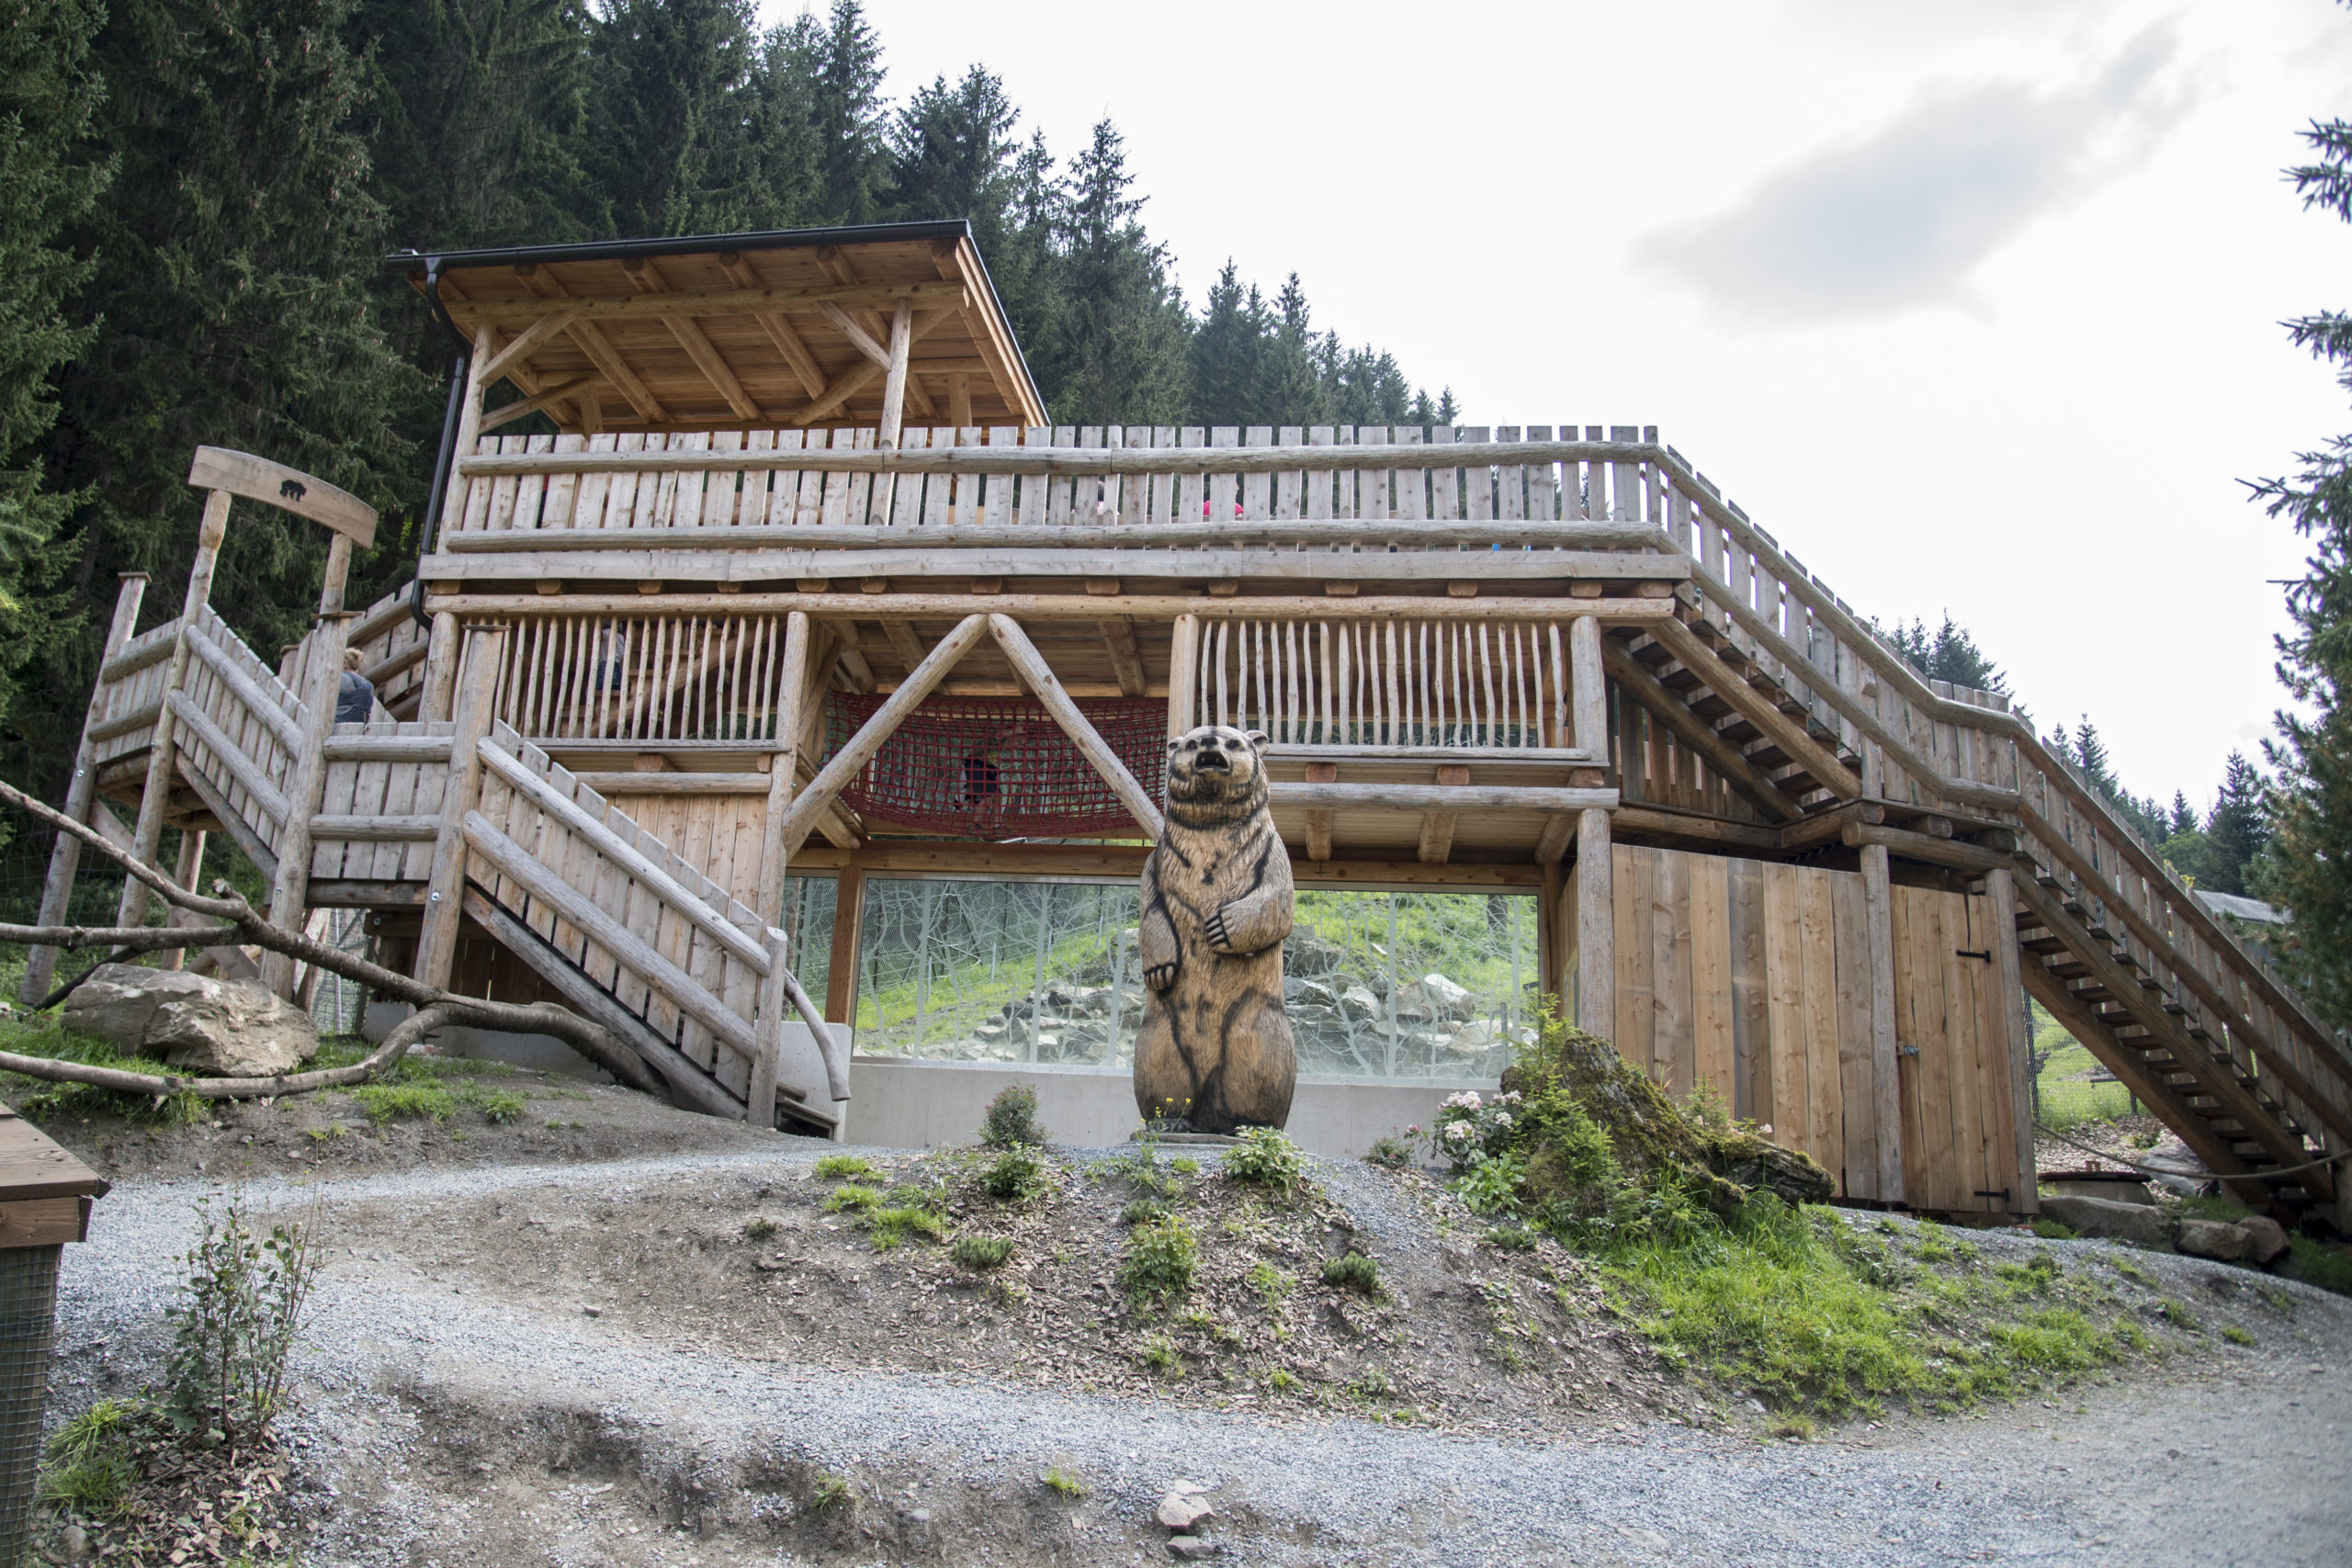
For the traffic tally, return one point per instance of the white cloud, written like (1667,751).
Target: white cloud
(1905,216)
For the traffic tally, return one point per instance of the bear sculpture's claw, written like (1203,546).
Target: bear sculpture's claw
(1160,976)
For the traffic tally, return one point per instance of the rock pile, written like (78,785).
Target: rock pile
(2253,1238)
(211,1028)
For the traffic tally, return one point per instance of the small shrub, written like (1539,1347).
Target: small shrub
(1391,1151)
(981,1252)
(1511,1238)
(1184,1165)
(1353,1272)
(1016,1176)
(1471,1126)
(1492,1184)
(401,1101)
(1064,1482)
(851,1198)
(239,1313)
(2051,1230)
(1012,1119)
(759,1227)
(1158,1353)
(1281,1382)
(1144,1212)
(2237,1336)
(831,1493)
(1265,1157)
(500,1106)
(845,1168)
(1160,1261)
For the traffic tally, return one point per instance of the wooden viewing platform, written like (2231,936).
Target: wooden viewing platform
(655,659)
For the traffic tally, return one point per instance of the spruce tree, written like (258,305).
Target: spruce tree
(50,176)
(1228,353)
(1115,352)
(848,121)
(2308,866)
(233,258)
(670,147)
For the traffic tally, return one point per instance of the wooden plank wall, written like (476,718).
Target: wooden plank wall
(1753,978)
(718,835)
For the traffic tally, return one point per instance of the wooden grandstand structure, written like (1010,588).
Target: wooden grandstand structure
(794,476)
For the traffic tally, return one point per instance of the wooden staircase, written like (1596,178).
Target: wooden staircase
(610,918)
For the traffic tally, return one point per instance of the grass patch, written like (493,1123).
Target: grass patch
(2237,1336)
(1797,1428)
(1161,1259)
(386,1102)
(891,1228)
(831,1492)
(1184,1165)
(1270,1283)
(1063,1482)
(1281,1382)
(981,1252)
(1158,1355)
(846,1168)
(1510,1238)
(2051,1230)
(759,1227)
(2316,1263)
(498,1106)
(851,1198)
(89,1463)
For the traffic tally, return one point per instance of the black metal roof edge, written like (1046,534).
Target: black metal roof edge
(683,244)
(408,261)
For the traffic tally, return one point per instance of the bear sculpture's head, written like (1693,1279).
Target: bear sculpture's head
(1216,774)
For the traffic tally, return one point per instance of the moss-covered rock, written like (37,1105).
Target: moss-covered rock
(1588,1113)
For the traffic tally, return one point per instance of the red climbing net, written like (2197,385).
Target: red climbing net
(998,767)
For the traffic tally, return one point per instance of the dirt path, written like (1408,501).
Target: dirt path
(452,1417)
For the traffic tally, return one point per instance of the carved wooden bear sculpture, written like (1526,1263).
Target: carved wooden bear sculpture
(1215,1050)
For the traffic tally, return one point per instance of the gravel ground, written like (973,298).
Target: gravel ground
(443,1427)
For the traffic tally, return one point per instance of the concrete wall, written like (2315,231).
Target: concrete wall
(902,1104)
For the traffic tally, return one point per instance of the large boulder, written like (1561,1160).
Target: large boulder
(2266,1238)
(208,1027)
(2139,1223)
(2217,1239)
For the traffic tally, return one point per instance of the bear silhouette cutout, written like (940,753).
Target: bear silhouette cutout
(1215,1051)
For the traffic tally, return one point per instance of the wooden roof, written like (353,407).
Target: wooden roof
(763,331)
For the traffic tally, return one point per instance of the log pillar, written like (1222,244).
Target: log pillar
(1587,690)
(1877,913)
(65,857)
(849,914)
(290,889)
(190,867)
(440,669)
(1596,927)
(436,942)
(453,499)
(2000,890)
(1184,672)
(155,793)
(894,378)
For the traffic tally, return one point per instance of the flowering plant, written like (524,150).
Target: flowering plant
(1470,1127)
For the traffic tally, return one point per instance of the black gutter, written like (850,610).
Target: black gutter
(446,457)
(684,245)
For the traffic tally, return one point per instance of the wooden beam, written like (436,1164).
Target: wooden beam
(506,413)
(1758,708)
(894,383)
(1032,667)
(1126,659)
(859,338)
(1665,823)
(436,942)
(1596,927)
(1588,686)
(1051,606)
(1919,846)
(787,342)
(855,381)
(1438,798)
(1886,1081)
(1319,823)
(219,468)
(154,794)
(305,781)
(2001,893)
(714,302)
(1437,827)
(784,767)
(903,642)
(519,348)
(614,369)
(852,757)
(1559,831)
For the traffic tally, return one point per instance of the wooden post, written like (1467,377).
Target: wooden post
(2001,891)
(1319,823)
(1878,912)
(436,942)
(1588,689)
(338,569)
(1596,927)
(289,891)
(959,401)
(65,858)
(1184,673)
(453,499)
(1550,952)
(190,867)
(155,793)
(767,1037)
(784,770)
(894,380)
(440,669)
(849,915)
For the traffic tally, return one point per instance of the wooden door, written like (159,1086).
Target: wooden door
(1958,1131)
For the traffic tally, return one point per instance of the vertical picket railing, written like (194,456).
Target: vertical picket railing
(653,678)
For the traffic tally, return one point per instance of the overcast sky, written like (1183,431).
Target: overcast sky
(1973,306)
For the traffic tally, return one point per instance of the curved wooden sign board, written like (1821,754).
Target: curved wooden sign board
(258,478)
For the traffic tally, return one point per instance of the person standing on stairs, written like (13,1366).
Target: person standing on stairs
(355,698)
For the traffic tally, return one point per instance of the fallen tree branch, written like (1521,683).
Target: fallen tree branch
(247,926)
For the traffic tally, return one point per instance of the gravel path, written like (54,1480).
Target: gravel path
(456,1430)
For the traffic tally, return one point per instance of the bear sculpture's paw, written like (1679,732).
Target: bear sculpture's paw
(1160,976)
(1214,927)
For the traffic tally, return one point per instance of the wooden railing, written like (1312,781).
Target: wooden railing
(1461,685)
(651,678)
(1132,477)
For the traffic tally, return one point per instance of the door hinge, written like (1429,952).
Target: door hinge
(1971,953)
(2003,1195)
